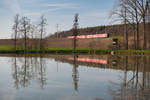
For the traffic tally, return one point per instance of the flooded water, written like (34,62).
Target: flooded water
(65,77)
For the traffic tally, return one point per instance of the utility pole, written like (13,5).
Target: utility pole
(57,26)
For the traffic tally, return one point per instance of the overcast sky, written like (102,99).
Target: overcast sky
(91,13)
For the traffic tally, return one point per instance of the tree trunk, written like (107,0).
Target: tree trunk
(41,38)
(144,33)
(126,33)
(134,38)
(25,40)
(137,33)
(16,40)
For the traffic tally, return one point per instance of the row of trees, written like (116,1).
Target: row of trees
(133,13)
(24,29)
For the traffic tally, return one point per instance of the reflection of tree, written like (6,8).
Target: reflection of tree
(24,73)
(75,75)
(15,73)
(42,73)
(26,69)
(134,84)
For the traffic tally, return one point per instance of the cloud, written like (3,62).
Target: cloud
(45,8)
(38,13)
(61,5)
(13,5)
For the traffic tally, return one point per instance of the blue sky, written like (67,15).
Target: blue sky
(91,13)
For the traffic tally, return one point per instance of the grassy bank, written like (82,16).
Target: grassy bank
(10,49)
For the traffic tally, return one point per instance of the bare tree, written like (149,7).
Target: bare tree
(143,7)
(42,25)
(33,31)
(135,9)
(135,19)
(140,8)
(32,35)
(126,32)
(121,15)
(25,29)
(16,29)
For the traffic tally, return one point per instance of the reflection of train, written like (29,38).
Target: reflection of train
(98,61)
(105,35)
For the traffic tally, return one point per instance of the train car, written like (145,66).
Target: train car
(105,35)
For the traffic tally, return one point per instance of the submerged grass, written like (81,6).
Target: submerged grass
(136,51)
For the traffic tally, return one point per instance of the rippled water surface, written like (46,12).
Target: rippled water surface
(65,77)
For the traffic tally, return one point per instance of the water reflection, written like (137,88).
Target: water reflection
(131,79)
(135,84)
(75,74)
(28,68)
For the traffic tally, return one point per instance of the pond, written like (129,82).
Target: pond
(68,77)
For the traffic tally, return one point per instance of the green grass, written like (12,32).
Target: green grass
(10,49)
(117,37)
(6,48)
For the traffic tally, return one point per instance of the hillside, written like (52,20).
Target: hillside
(112,30)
